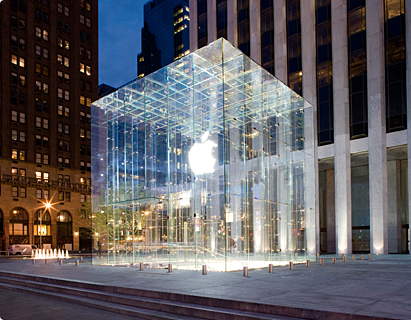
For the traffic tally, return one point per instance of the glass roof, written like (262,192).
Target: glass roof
(216,83)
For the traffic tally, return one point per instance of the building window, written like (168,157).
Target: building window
(19,221)
(357,68)
(267,35)
(294,62)
(202,33)
(14,115)
(221,19)
(243,25)
(42,176)
(38,158)
(395,65)
(14,135)
(22,136)
(18,154)
(20,116)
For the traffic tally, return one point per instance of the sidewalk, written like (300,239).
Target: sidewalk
(379,287)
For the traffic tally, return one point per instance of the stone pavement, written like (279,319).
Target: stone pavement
(380,287)
(23,306)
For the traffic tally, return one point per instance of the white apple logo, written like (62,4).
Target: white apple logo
(200,156)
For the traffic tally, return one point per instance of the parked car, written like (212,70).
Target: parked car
(21,249)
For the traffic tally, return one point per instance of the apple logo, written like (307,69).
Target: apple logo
(200,156)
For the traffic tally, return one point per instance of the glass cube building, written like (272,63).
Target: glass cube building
(203,162)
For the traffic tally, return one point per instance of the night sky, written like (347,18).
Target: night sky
(120,22)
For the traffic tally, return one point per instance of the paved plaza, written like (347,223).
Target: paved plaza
(379,287)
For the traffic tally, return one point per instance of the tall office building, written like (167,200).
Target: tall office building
(165,35)
(48,79)
(350,59)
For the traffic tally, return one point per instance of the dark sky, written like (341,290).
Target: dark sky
(120,22)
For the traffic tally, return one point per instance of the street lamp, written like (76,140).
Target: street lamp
(47,206)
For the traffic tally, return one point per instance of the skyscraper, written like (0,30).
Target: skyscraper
(165,35)
(348,58)
(48,79)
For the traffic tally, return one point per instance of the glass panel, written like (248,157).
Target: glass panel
(201,162)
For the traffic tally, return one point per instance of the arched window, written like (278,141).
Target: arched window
(19,221)
(42,223)
(64,216)
(64,230)
(19,226)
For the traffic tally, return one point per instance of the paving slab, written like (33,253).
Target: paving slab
(380,287)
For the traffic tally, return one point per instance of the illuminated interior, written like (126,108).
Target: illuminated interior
(200,163)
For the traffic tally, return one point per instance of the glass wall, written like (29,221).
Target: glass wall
(198,164)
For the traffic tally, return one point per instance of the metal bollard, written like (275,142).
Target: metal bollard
(141,266)
(204,270)
(334,260)
(270,268)
(290,265)
(170,268)
(307,263)
(245,272)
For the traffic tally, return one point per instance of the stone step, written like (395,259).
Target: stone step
(173,307)
(190,301)
(140,313)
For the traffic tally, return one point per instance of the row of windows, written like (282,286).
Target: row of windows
(43,158)
(20,61)
(21,192)
(44,176)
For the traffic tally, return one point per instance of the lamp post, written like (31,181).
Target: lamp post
(47,206)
